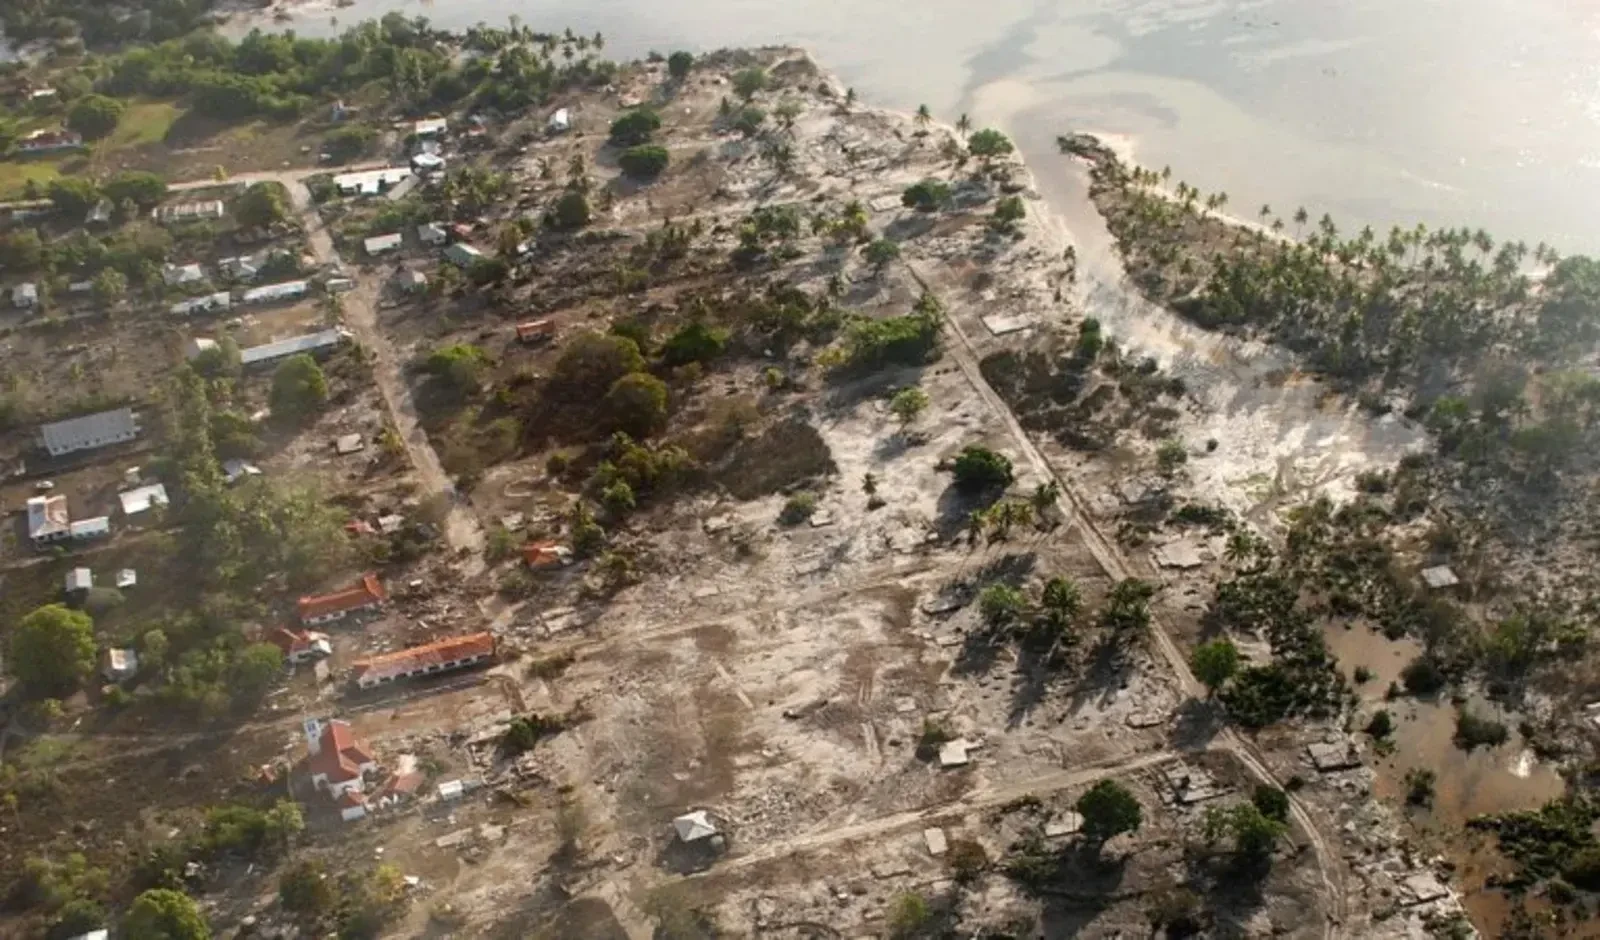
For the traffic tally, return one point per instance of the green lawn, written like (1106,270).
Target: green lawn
(145,122)
(15,174)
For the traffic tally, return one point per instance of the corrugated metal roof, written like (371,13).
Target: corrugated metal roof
(310,342)
(281,291)
(89,430)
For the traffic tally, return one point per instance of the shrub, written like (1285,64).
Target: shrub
(926,196)
(635,127)
(1419,786)
(1474,731)
(694,342)
(1090,339)
(988,144)
(748,121)
(967,860)
(348,143)
(1007,213)
(908,403)
(644,162)
(1381,724)
(679,64)
(569,213)
(905,340)
(460,366)
(978,468)
(95,116)
(881,252)
(908,914)
(618,498)
(1171,455)
(798,508)
(637,404)
(1272,802)
(749,83)
(1001,605)
(1422,676)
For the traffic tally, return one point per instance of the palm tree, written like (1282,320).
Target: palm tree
(1265,212)
(849,98)
(1044,497)
(1301,216)
(964,125)
(924,116)
(976,523)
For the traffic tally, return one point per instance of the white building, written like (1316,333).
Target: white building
(84,529)
(427,162)
(25,296)
(335,758)
(275,293)
(119,665)
(48,520)
(79,579)
(89,431)
(432,233)
(221,300)
(191,211)
(142,499)
(431,127)
(370,182)
(278,349)
(176,274)
(382,244)
(560,122)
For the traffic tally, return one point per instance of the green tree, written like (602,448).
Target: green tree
(989,144)
(21,250)
(73,195)
(1214,663)
(644,162)
(880,253)
(694,342)
(978,468)
(635,127)
(927,195)
(306,889)
(95,116)
(1252,832)
(924,117)
(52,648)
(1060,605)
(1001,605)
(460,366)
(163,914)
(299,388)
(637,404)
(570,211)
(255,670)
(907,404)
(591,363)
(110,287)
(144,190)
(749,83)
(1273,802)
(1008,212)
(679,65)
(1108,809)
(262,205)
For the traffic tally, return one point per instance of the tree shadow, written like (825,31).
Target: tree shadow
(1106,672)
(1232,886)
(956,506)
(1040,664)
(1196,723)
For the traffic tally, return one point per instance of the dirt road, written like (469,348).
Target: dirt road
(1110,559)
(360,307)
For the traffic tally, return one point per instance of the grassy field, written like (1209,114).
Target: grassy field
(15,174)
(145,122)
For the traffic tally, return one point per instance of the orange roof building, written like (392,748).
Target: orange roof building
(300,645)
(546,554)
(337,759)
(366,594)
(458,652)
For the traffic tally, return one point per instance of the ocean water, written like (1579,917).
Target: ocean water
(1483,113)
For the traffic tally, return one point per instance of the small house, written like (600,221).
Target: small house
(463,254)
(536,331)
(25,296)
(370,182)
(48,520)
(241,268)
(50,141)
(178,274)
(382,244)
(235,470)
(89,431)
(143,498)
(459,652)
(427,163)
(560,122)
(221,300)
(119,665)
(197,346)
(365,595)
(82,530)
(432,233)
(431,127)
(127,578)
(79,580)
(543,555)
(1439,578)
(100,214)
(694,827)
(347,444)
(339,285)
(301,645)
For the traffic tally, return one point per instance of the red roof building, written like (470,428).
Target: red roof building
(457,652)
(337,758)
(534,331)
(366,594)
(300,645)
(546,555)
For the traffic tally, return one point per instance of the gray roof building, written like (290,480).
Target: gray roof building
(89,431)
(311,342)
